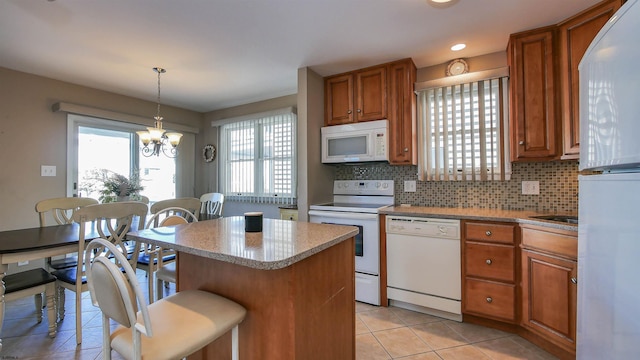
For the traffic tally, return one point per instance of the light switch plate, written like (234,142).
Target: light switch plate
(48,170)
(531,188)
(409,186)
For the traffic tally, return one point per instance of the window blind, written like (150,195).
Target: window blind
(259,159)
(462,131)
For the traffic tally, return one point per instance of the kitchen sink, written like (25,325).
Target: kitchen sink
(560,218)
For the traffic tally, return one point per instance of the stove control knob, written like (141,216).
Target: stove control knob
(346,185)
(385,185)
(378,184)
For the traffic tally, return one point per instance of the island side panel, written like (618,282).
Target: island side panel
(325,304)
(297,312)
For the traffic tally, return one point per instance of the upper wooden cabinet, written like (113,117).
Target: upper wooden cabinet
(380,92)
(356,96)
(575,35)
(402,113)
(533,105)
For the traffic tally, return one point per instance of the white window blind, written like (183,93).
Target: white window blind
(258,159)
(462,131)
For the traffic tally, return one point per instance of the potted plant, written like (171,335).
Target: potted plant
(116,187)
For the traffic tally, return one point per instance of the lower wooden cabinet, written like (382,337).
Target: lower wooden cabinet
(549,285)
(489,271)
(490,298)
(522,279)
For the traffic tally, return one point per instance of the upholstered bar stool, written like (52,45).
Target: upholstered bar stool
(171,328)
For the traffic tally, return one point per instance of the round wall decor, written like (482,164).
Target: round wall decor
(457,67)
(209,153)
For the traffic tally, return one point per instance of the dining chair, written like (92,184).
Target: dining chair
(171,328)
(211,205)
(160,211)
(112,221)
(61,210)
(155,257)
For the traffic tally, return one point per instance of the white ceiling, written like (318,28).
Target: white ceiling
(222,53)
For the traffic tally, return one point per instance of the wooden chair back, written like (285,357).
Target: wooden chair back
(189,203)
(61,209)
(211,204)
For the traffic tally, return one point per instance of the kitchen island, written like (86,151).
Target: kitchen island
(296,280)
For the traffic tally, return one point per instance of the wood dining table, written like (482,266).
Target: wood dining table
(34,244)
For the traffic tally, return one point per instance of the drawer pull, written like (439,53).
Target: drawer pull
(349,111)
(489,262)
(488,232)
(489,300)
(574,280)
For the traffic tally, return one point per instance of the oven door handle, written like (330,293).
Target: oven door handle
(344,215)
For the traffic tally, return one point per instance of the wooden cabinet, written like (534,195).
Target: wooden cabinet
(489,271)
(534,127)
(549,285)
(402,116)
(356,96)
(575,35)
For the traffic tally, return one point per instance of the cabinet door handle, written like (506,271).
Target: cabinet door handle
(521,142)
(349,111)
(359,111)
(574,280)
(489,300)
(489,262)
(406,149)
(488,232)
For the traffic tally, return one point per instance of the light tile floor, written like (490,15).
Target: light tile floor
(381,333)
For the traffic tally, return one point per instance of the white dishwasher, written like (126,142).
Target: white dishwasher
(423,265)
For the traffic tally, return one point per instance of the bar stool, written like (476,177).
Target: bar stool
(173,327)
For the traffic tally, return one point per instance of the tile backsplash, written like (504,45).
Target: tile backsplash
(558,187)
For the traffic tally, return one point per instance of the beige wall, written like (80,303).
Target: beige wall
(31,135)
(477,63)
(315,180)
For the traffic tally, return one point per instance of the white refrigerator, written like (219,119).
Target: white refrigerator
(608,321)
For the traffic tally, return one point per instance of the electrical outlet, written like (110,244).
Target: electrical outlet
(409,186)
(48,170)
(531,188)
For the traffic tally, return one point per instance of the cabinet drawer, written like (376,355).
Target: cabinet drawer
(490,299)
(557,242)
(490,261)
(498,233)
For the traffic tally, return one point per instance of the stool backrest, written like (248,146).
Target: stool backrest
(116,292)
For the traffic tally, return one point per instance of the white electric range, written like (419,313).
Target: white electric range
(357,203)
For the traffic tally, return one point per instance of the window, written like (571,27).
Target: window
(258,159)
(95,144)
(463,130)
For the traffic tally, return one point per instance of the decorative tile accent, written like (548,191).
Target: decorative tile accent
(558,187)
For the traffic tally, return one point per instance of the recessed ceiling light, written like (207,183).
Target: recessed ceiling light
(458,47)
(441,3)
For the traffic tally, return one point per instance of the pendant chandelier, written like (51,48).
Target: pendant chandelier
(155,139)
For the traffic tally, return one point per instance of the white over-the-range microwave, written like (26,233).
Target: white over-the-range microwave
(357,142)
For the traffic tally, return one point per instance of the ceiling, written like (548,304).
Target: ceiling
(223,53)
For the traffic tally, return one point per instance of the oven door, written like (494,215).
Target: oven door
(367,240)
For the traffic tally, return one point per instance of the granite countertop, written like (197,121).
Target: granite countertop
(522,217)
(280,244)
